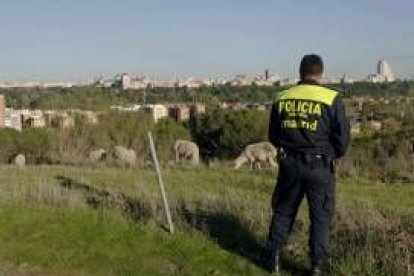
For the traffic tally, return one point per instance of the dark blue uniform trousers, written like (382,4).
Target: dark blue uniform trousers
(298,177)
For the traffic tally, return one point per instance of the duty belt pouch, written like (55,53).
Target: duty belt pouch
(281,155)
(307,159)
(332,166)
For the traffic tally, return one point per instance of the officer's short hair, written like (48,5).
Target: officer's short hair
(311,65)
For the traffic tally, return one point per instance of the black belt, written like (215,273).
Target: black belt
(308,158)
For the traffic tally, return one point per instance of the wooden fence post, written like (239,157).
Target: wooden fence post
(161,183)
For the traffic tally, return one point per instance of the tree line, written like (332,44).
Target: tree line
(96,98)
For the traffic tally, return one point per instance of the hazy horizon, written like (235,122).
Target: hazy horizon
(74,40)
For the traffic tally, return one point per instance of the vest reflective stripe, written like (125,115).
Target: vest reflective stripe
(308,93)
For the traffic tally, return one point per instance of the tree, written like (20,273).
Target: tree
(224,134)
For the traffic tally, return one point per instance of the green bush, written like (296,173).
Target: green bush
(382,156)
(33,143)
(166,132)
(225,133)
(9,144)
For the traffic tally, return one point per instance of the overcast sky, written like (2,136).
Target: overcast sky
(76,39)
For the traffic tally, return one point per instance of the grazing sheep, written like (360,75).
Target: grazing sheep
(186,150)
(125,156)
(97,155)
(19,160)
(257,154)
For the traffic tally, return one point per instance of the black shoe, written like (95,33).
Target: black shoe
(319,269)
(271,260)
(316,270)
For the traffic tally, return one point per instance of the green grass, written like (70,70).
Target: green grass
(58,221)
(97,243)
(393,197)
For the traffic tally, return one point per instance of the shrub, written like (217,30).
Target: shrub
(9,144)
(225,133)
(166,132)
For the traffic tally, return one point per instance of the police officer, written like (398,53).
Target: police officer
(308,125)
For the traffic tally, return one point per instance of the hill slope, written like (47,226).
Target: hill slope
(85,221)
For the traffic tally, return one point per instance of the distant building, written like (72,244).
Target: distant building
(61,119)
(195,83)
(130,108)
(241,80)
(272,80)
(384,73)
(128,82)
(375,78)
(35,84)
(2,111)
(385,70)
(157,111)
(179,113)
(32,118)
(288,81)
(13,120)
(166,83)
(105,83)
(356,128)
(57,85)
(267,74)
(267,79)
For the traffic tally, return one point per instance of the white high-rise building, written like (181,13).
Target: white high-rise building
(384,69)
(384,73)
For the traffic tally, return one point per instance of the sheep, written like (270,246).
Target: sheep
(187,150)
(124,156)
(257,154)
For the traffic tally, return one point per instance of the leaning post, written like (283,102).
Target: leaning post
(161,183)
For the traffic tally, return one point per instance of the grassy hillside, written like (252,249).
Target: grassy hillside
(96,221)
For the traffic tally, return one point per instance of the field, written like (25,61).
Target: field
(57,220)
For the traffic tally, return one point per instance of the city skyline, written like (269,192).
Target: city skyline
(77,40)
(211,75)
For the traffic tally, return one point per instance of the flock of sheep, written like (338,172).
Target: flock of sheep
(122,155)
(256,155)
(184,150)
